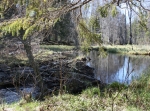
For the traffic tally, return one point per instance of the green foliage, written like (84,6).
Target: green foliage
(24,27)
(92,91)
(94,23)
(143,18)
(106,9)
(134,97)
(28,24)
(143,24)
(28,31)
(87,36)
(21,107)
(148,33)
(90,99)
(103,11)
(114,11)
(143,82)
(140,91)
(117,86)
(14,27)
(141,30)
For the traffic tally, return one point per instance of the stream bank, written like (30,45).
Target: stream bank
(73,75)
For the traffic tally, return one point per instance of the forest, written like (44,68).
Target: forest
(74,55)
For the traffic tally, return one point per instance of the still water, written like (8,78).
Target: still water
(120,68)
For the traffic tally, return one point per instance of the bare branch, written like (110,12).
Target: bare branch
(143,6)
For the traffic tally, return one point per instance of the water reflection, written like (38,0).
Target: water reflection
(119,68)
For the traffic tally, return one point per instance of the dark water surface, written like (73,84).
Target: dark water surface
(120,68)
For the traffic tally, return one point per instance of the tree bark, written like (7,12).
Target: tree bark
(130,17)
(34,65)
(125,29)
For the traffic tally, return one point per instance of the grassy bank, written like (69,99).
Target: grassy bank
(115,97)
(45,53)
(123,49)
(127,49)
(57,47)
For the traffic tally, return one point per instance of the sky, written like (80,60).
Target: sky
(124,9)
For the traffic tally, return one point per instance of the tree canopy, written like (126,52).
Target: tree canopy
(31,15)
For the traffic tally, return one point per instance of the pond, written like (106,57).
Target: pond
(120,68)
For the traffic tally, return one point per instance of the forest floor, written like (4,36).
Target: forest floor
(114,97)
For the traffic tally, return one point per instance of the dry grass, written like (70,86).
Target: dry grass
(129,49)
(135,97)
(57,47)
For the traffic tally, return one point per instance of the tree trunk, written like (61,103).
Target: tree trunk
(37,76)
(130,16)
(125,29)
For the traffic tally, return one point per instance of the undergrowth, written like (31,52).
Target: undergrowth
(114,97)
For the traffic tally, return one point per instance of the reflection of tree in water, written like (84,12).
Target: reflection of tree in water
(139,61)
(105,66)
(128,70)
(139,64)
(119,68)
(114,63)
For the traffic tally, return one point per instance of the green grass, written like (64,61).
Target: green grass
(20,107)
(89,100)
(127,49)
(135,97)
(139,91)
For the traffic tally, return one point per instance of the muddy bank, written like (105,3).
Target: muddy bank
(72,75)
